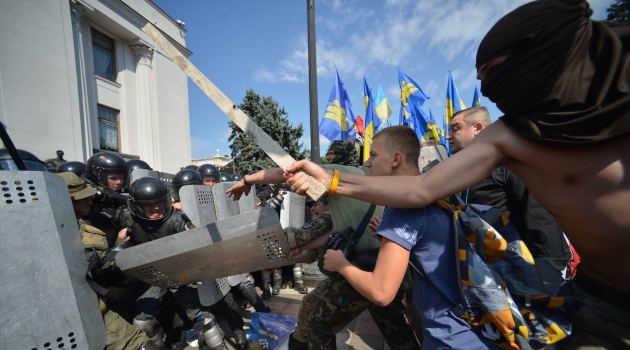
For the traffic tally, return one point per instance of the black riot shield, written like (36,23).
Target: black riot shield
(45,300)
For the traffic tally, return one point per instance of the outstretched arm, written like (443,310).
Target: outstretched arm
(460,171)
(267,176)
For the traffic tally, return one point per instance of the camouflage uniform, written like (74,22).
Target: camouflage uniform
(314,228)
(345,153)
(335,303)
(120,334)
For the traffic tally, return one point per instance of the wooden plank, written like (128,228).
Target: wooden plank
(251,129)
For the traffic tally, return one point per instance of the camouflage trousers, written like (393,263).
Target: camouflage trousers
(334,303)
(601,316)
(120,334)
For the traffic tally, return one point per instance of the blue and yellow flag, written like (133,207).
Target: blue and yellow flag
(444,133)
(433,131)
(476,98)
(383,109)
(454,103)
(338,121)
(411,98)
(372,121)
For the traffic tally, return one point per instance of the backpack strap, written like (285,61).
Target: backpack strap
(362,226)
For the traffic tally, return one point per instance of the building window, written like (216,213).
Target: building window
(108,128)
(103,50)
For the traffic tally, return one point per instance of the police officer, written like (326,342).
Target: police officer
(225,177)
(183,178)
(78,168)
(96,234)
(138,164)
(109,174)
(210,174)
(149,216)
(30,160)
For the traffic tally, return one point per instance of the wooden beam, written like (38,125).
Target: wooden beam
(258,135)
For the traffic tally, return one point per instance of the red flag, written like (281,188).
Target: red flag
(359,125)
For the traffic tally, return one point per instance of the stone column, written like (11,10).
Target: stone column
(77,11)
(145,113)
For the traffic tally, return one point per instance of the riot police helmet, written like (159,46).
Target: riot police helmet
(225,177)
(108,170)
(135,164)
(237,177)
(191,167)
(78,168)
(210,174)
(149,199)
(30,160)
(183,178)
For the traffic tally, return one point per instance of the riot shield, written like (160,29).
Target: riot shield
(430,156)
(138,173)
(45,300)
(247,242)
(198,203)
(292,210)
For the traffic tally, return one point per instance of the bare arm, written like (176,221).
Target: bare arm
(380,286)
(460,171)
(268,176)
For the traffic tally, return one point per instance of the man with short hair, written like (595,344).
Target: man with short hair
(424,236)
(505,191)
(561,79)
(334,302)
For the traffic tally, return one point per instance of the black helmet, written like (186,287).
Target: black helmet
(105,164)
(30,160)
(225,177)
(72,167)
(149,199)
(138,164)
(237,177)
(183,178)
(209,172)
(191,167)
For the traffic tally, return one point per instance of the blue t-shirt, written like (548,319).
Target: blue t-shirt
(428,234)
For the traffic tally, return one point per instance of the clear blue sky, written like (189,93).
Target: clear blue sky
(262,45)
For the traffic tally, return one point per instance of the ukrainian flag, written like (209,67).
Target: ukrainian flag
(433,132)
(338,121)
(454,103)
(476,98)
(372,121)
(411,98)
(383,109)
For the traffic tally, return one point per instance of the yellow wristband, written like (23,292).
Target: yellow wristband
(335,182)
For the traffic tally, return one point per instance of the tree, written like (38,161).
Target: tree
(274,121)
(619,11)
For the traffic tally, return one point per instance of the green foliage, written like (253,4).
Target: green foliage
(274,121)
(619,11)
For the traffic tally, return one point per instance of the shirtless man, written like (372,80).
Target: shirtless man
(565,133)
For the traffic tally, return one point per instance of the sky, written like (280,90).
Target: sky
(262,45)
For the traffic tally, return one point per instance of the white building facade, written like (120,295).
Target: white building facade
(81,76)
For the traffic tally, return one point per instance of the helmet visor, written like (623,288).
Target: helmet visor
(9,165)
(154,209)
(115,179)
